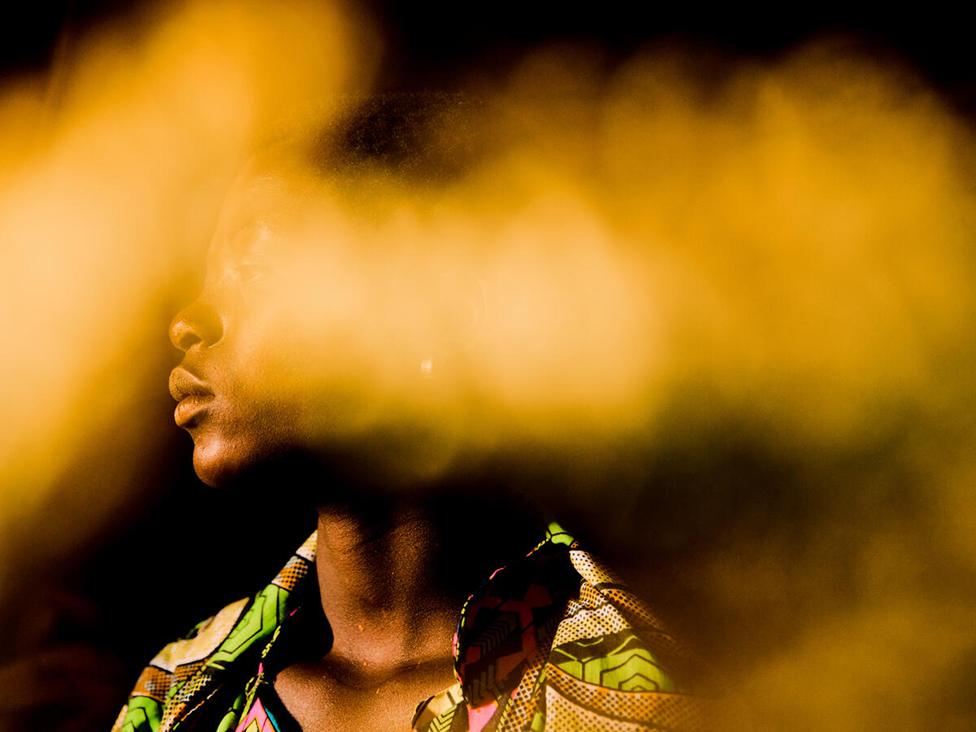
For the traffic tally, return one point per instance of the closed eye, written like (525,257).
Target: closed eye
(250,271)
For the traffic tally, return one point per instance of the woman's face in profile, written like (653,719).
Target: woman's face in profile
(301,342)
(237,394)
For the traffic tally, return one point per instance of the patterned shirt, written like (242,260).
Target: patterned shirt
(552,642)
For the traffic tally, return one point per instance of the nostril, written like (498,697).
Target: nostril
(181,334)
(194,324)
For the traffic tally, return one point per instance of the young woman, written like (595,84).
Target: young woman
(427,598)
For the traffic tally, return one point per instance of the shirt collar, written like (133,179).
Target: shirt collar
(508,623)
(504,626)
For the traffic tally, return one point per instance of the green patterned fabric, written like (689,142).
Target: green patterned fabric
(551,642)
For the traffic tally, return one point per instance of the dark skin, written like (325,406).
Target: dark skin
(397,552)
(392,645)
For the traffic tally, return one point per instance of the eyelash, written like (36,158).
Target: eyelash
(250,272)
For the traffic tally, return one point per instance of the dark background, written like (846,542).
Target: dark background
(429,42)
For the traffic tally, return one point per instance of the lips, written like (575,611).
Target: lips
(192,394)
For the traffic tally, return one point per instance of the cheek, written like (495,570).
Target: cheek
(253,409)
(274,368)
(249,420)
(296,377)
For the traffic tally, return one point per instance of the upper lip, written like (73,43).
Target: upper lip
(182,384)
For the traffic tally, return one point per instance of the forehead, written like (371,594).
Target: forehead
(262,201)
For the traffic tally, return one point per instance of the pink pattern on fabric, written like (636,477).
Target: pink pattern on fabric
(479,717)
(257,720)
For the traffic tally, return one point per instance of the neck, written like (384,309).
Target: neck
(374,580)
(393,576)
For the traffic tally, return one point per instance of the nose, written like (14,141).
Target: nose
(198,322)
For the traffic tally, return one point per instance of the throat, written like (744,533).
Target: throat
(386,606)
(393,575)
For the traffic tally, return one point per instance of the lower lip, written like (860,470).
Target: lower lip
(190,408)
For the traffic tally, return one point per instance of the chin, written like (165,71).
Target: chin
(212,471)
(221,460)
(218,461)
